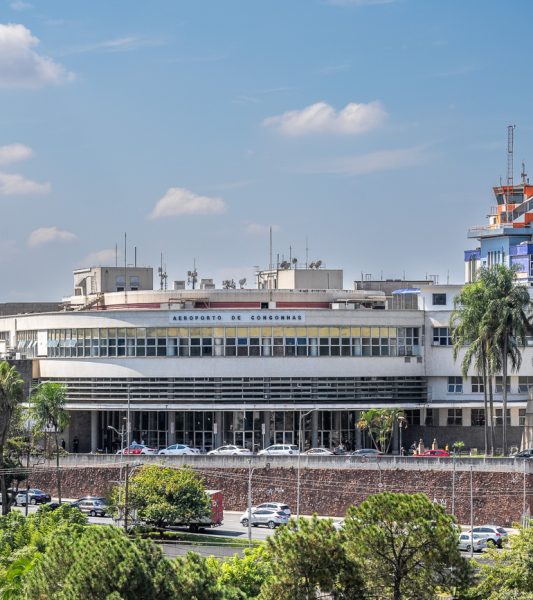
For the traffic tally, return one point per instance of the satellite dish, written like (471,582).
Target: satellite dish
(242,282)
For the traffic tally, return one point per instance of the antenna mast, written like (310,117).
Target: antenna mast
(510,148)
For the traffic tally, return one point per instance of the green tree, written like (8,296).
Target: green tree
(101,563)
(48,402)
(160,496)
(509,572)
(470,306)
(197,579)
(407,544)
(508,303)
(11,391)
(307,558)
(242,577)
(379,424)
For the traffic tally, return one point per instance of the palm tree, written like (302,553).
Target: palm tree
(508,304)
(379,423)
(48,410)
(470,306)
(11,392)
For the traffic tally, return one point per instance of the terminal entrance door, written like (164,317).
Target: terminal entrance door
(282,427)
(243,428)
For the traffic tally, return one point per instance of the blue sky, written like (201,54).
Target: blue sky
(373,128)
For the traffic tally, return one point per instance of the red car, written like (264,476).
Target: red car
(138,449)
(436,453)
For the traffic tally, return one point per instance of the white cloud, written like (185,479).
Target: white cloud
(20,5)
(373,162)
(100,257)
(45,235)
(179,201)
(320,117)
(260,229)
(119,44)
(21,66)
(14,153)
(12,184)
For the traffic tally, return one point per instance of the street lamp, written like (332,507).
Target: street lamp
(402,424)
(300,449)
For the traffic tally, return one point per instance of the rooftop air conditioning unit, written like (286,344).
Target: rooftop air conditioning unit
(179,285)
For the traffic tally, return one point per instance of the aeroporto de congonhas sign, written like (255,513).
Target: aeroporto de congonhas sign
(224,317)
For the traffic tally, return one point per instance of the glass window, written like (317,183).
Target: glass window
(525,384)
(455,385)
(499,416)
(441,336)
(499,384)
(478,417)
(439,299)
(430,417)
(455,416)
(522,417)
(477,385)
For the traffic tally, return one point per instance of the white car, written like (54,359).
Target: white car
(465,542)
(264,516)
(277,506)
(178,449)
(231,450)
(280,449)
(318,452)
(494,535)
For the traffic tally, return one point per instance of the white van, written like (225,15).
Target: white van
(287,449)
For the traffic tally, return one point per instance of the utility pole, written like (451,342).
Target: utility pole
(471,515)
(453,483)
(250,473)
(525,520)
(300,449)
(126,498)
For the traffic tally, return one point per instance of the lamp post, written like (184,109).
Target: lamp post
(300,449)
(250,473)
(402,424)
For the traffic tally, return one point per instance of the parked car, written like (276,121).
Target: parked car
(138,449)
(178,449)
(95,506)
(264,516)
(318,452)
(32,496)
(434,453)
(527,453)
(368,452)
(494,535)
(277,506)
(231,450)
(280,449)
(465,542)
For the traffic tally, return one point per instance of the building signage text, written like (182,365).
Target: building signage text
(225,317)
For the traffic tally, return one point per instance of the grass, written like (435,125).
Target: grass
(204,539)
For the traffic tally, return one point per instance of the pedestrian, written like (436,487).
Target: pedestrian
(75,444)
(63,444)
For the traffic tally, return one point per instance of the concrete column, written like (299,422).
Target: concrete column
(218,437)
(423,415)
(336,434)
(314,429)
(515,417)
(171,427)
(265,439)
(395,442)
(94,430)
(443,417)
(467,417)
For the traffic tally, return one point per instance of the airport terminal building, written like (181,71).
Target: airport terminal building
(297,358)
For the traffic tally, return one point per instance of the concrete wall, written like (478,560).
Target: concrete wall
(329,487)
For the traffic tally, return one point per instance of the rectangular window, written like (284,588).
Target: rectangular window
(455,385)
(499,384)
(477,385)
(525,384)
(522,417)
(441,336)
(499,416)
(439,299)
(478,417)
(412,417)
(455,416)
(430,417)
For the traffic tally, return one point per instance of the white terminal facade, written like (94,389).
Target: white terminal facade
(256,366)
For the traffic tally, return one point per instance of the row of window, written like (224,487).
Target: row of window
(229,341)
(456,386)
(455,417)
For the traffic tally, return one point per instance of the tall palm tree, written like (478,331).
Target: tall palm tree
(48,410)
(470,306)
(11,392)
(507,312)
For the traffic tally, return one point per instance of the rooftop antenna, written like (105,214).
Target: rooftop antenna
(510,148)
(192,276)
(125,264)
(523,175)
(162,272)
(116,254)
(270,255)
(135,261)
(306,251)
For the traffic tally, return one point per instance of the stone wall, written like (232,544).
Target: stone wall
(497,496)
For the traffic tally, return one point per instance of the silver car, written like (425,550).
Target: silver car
(177,450)
(318,452)
(465,542)
(264,516)
(494,535)
(277,506)
(231,451)
(280,449)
